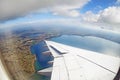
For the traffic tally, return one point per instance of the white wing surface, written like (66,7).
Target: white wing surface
(72,63)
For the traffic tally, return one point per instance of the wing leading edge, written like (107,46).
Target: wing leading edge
(72,63)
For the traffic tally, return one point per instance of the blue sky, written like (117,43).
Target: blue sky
(97,5)
(98,11)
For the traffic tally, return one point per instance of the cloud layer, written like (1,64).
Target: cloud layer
(110,16)
(16,8)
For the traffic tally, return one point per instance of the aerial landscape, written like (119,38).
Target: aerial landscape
(37,35)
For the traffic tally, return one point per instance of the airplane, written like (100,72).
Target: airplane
(71,63)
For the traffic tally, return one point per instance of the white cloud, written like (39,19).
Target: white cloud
(90,17)
(15,8)
(108,18)
(69,13)
(110,15)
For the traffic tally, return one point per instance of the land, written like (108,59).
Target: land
(16,54)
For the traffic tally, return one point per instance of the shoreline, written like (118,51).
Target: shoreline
(14,63)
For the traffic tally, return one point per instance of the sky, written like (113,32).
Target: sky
(97,13)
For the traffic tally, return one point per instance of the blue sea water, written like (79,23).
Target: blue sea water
(41,59)
(90,43)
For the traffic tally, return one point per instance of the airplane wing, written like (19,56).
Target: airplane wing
(72,63)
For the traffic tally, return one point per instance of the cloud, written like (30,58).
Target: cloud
(16,8)
(110,15)
(89,16)
(109,18)
(69,13)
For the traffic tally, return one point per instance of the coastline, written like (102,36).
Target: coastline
(17,59)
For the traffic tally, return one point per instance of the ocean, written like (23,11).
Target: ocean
(90,43)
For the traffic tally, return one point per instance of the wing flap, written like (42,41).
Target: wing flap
(59,70)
